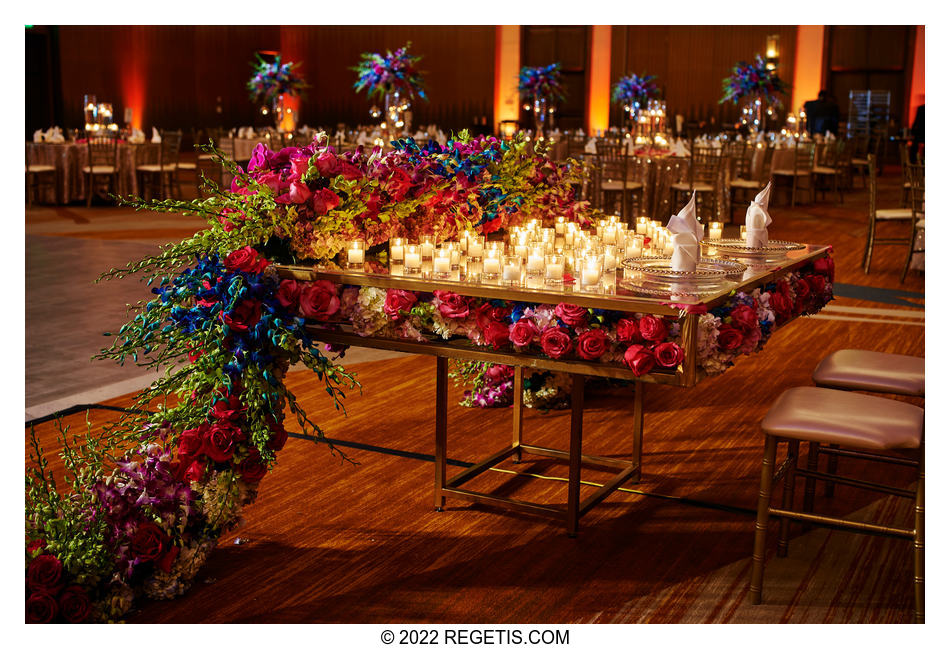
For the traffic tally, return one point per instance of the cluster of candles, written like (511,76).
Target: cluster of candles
(530,255)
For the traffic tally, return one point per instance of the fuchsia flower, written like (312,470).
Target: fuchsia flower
(556,342)
(496,334)
(571,314)
(668,354)
(452,305)
(319,300)
(592,344)
(324,201)
(639,359)
(246,260)
(398,303)
(523,332)
(653,328)
(628,330)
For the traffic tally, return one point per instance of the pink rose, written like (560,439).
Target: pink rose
(279,436)
(571,315)
(195,471)
(324,201)
(297,194)
(41,608)
(498,374)
(802,289)
(639,359)
(592,344)
(523,332)
(45,574)
(653,328)
(328,164)
(452,305)
(730,337)
(252,468)
(319,300)
(245,260)
(744,318)
(628,331)
(288,294)
(496,334)
(555,342)
(189,444)
(668,354)
(229,408)
(74,604)
(398,301)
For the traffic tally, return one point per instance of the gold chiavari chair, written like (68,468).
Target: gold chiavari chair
(37,175)
(102,163)
(876,216)
(804,161)
(825,171)
(915,176)
(752,161)
(615,182)
(164,174)
(705,171)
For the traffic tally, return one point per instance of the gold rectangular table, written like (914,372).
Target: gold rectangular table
(618,297)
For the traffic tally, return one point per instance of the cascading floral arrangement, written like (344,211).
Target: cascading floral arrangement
(272,79)
(633,89)
(395,72)
(753,81)
(542,82)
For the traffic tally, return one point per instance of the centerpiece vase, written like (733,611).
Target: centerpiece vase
(278,108)
(392,111)
(540,116)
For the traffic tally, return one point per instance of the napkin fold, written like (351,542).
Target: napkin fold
(679,149)
(55,135)
(38,135)
(137,137)
(591,146)
(156,137)
(687,234)
(757,219)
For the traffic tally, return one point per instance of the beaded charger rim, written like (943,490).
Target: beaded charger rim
(707,268)
(737,246)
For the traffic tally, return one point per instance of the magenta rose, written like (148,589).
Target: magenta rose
(781,304)
(398,303)
(319,300)
(244,316)
(452,305)
(45,574)
(297,194)
(592,344)
(164,562)
(220,439)
(189,444)
(523,332)
(229,408)
(496,334)
(246,260)
(668,354)
(41,608)
(802,289)
(252,468)
(74,604)
(195,471)
(487,313)
(571,315)
(730,337)
(324,201)
(556,342)
(328,164)
(628,331)
(34,545)
(149,542)
(653,328)
(639,359)
(288,294)
(744,317)
(350,171)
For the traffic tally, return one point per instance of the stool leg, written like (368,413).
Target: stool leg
(517,424)
(809,505)
(788,496)
(762,520)
(833,470)
(919,544)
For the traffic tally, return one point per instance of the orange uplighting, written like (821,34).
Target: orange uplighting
(132,73)
(598,95)
(917,77)
(507,66)
(809,61)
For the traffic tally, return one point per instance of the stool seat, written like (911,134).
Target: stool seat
(846,418)
(858,369)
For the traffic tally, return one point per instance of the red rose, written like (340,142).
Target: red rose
(781,304)
(571,315)
(328,164)
(34,545)
(487,313)
(496,334)
(350,171)
(40,608)
(802,289)
(452,305)
(195,471)
(324,201)
(189,444)
(74,604)
(825,266)
(45,574)
(252,468)
(782,287)
(398,184)
(279,436)
(628,330)
(398,301)
(288,294)
(816,283)
(498,374)
(653,328)
(220,439)
(556,342)
(164,562)
(729,337)
(319,300)
(592,344)
(229,408)
(744,317)
(149,541)
(523,332)
(244,316)
(245,260)
(639,359)
(668,354)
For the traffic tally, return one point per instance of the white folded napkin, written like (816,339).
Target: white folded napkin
(137,137)
(757,219)
(38,135)
(580,132)
(679,149)
(591,146)
(55,134)
(419,136)
(249,133)
(687,234)
(760,137)
(441,137)
(156,137)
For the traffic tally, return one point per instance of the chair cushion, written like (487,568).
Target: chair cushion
(100,169)
(859,161)
(187,165)
(790,172)
(846,418)
(920,223)
(742,182)
(41,169)
(858,369)
(205,156)
(895,214)
(684,187)
(824,170)
(617,185)
(154,168)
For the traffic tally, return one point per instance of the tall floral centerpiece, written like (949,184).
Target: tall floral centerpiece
(632,92)
(272,82)
(394,79)
(757,87)
(540,88)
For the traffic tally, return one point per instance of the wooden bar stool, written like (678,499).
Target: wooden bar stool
(862,422)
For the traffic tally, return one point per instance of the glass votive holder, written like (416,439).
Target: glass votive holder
(742,232)
(610,257)
(427,247)
(633,245)
(491,264)
(608,233)
(554,269)
(476,247)
(642,223)
(589,268)
(413,260)
(442,263)
(559,225)
(397,253)
(355,255)
(535,262)
(511,270)
(715,230)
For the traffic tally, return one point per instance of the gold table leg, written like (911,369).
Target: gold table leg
(518,417)
(638,388)
(762,521)
(574,471)
(441,426)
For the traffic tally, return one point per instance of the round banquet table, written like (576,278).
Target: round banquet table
(69,159)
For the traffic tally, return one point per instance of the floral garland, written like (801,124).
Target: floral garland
(271,80)
(635,90)
(753,80)
(395,72)
(543,82)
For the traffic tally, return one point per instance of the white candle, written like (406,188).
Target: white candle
(610,261)
(427,249)
(609,234)
(443,264)
(413,260)
(354,255)
(590,276)
(521,249)
(642,225)
(511,273)
(554,271)
(634,249)
(715,230)
(559,225)
(397,252)
(535,263)
(475,249)
(491,265)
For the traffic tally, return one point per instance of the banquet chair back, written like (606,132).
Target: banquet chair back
(612,170)
(825,171)
(803,163)
(102,163)
(705,169)
(37,175)
(915,176)
(169,150)
(878,215)
(751,162)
